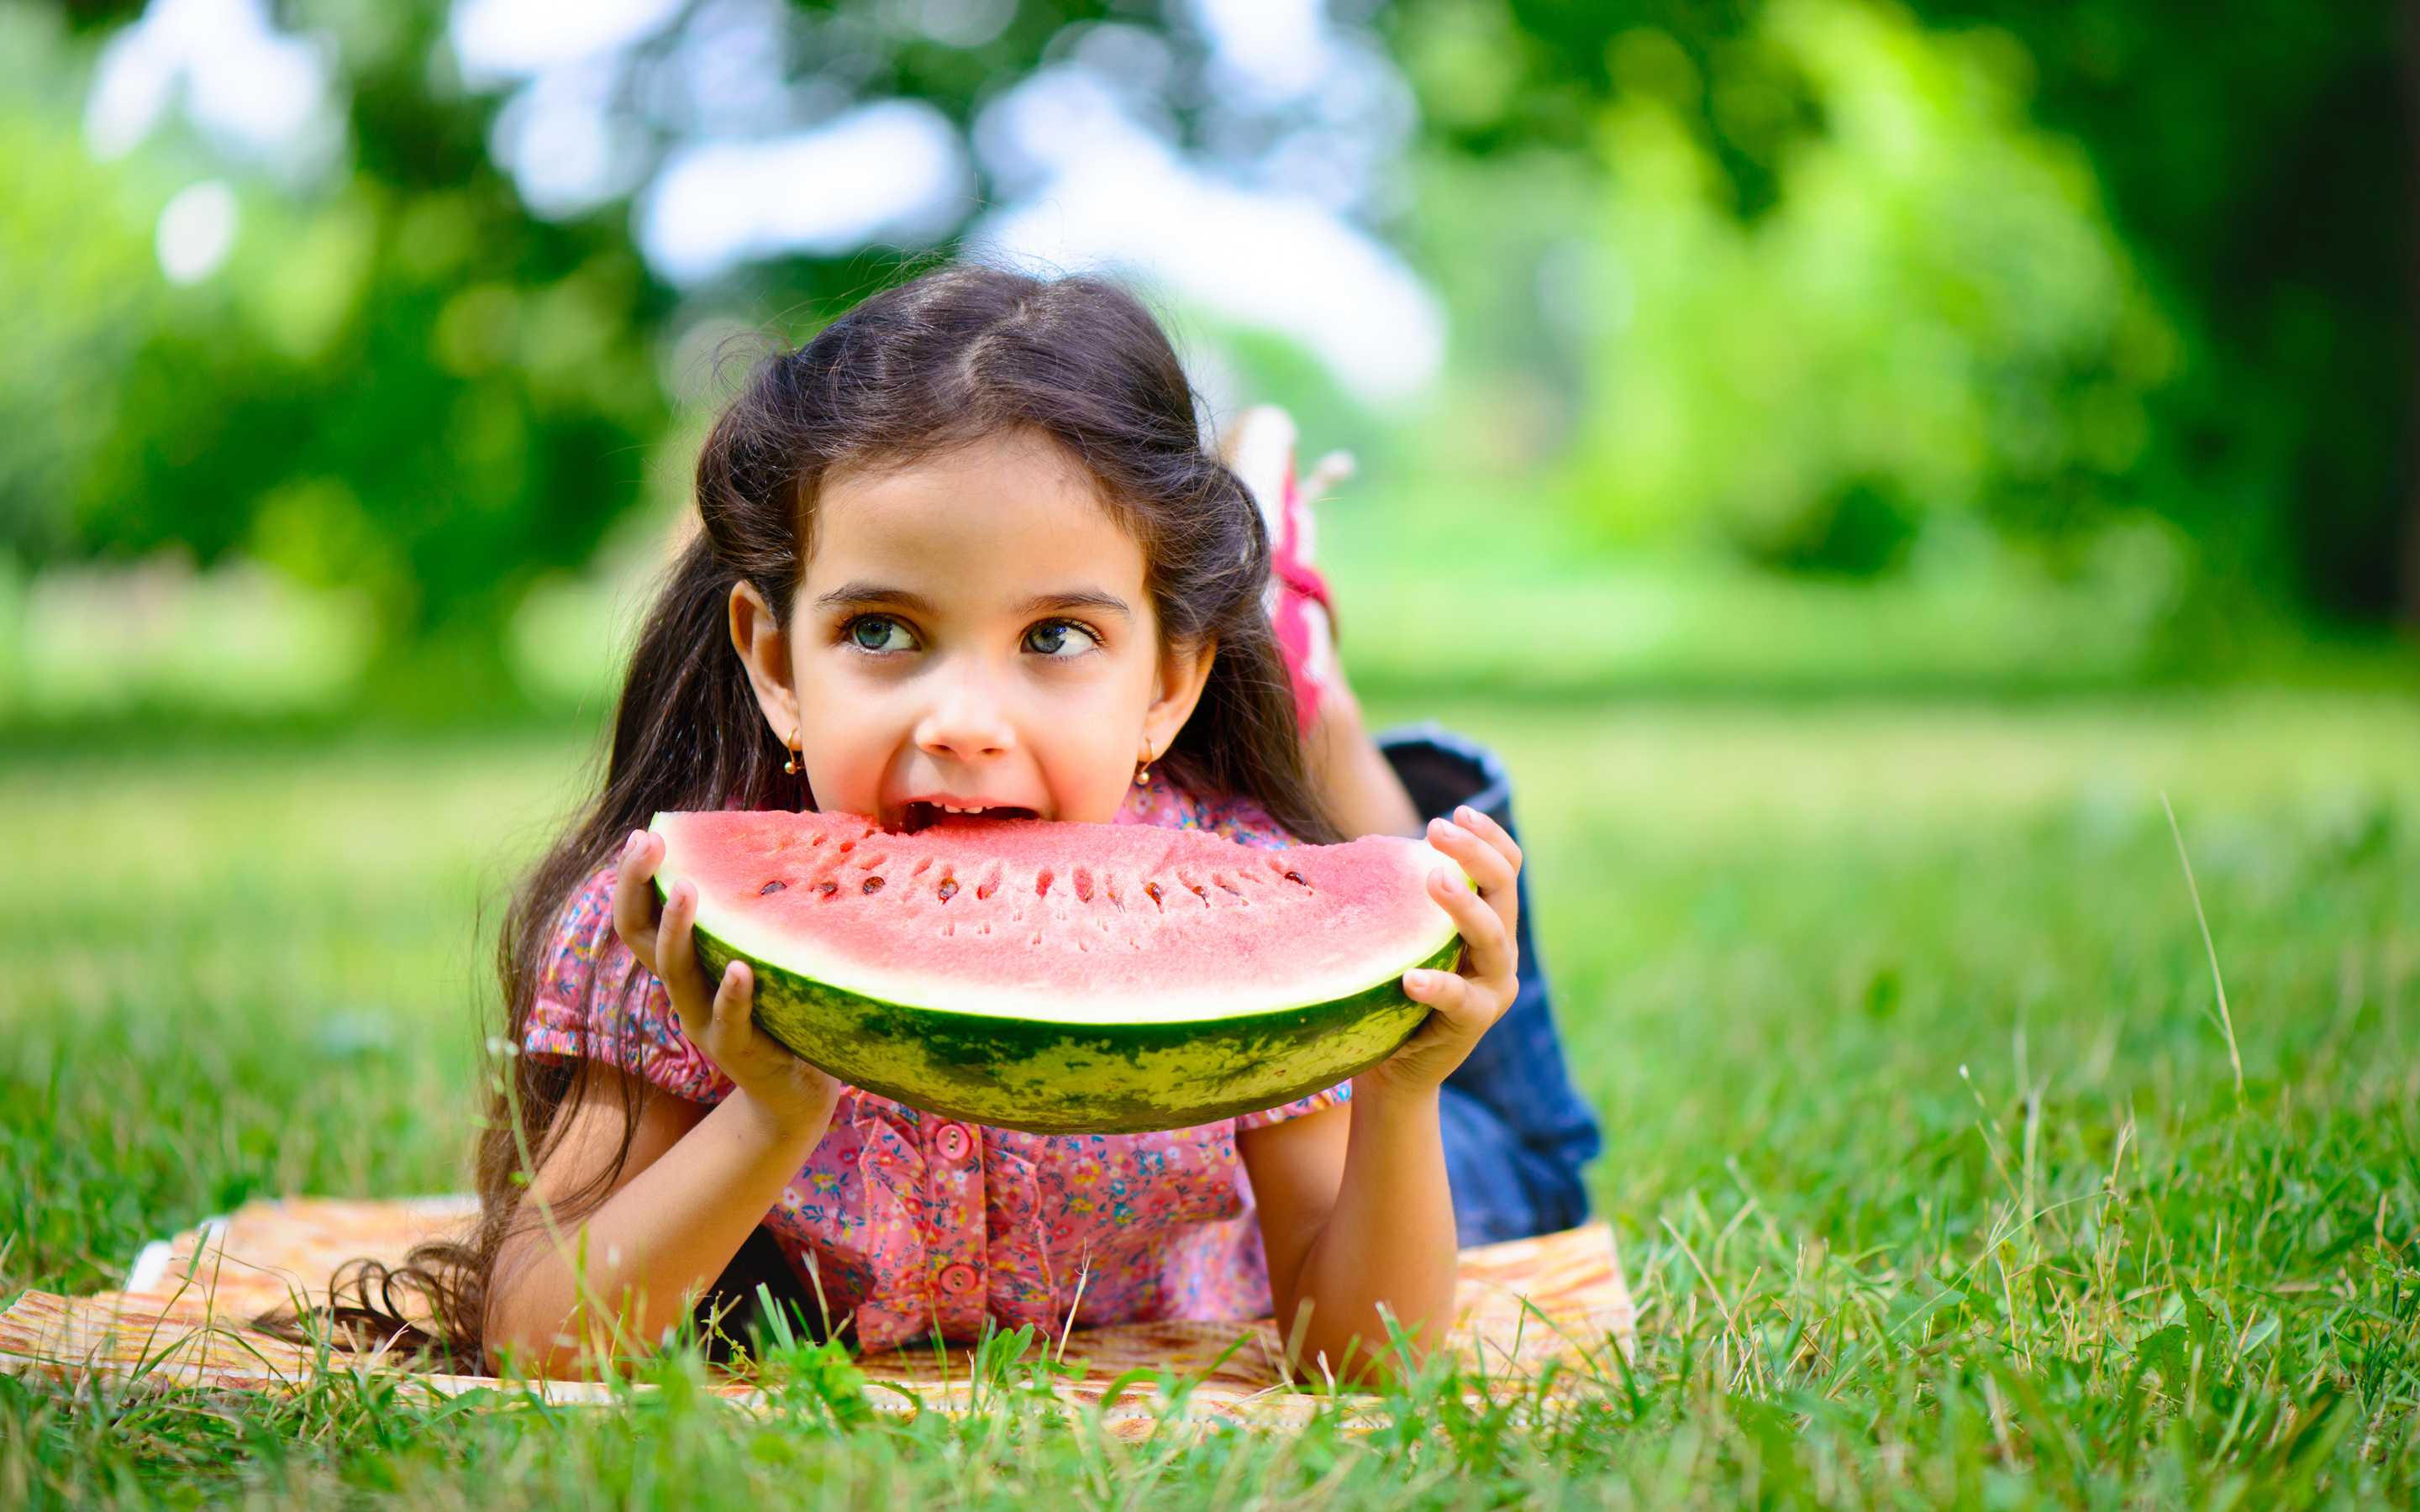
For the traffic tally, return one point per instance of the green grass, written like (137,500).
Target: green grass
(1924,1146)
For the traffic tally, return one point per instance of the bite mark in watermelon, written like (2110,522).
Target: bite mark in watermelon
(1063,978)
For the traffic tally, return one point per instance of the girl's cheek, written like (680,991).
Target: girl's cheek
(845,757)
(1089,770)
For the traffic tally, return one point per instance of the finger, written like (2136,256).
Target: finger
(1446,991)
(676,961)
(634,896)
(1496,875)
(1489,953)
(1498,837)
(1460,1008)
(1481,862)
(735,1007)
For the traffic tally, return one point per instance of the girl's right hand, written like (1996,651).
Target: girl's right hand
(719,1018)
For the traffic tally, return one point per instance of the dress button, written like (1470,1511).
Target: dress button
(957,1280)
(953,1142)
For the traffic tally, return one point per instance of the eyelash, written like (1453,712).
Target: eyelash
(1072,625)
(849,632)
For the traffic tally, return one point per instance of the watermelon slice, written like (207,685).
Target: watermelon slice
(1063,978)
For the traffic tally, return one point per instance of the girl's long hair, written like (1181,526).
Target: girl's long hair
(954,356)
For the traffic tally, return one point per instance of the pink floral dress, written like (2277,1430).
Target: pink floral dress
(913,1223)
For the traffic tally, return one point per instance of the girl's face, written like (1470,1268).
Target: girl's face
(971,636)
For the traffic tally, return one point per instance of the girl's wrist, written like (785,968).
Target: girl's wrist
(1387,1098)
(779,1126)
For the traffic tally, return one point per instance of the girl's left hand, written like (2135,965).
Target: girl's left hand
(1465,1004)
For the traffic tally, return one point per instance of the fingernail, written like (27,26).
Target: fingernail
(630,847)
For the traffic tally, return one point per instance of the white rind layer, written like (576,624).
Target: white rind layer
(1211,1002)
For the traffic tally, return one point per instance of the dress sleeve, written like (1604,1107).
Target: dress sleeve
(596,1002)
(1301,1107)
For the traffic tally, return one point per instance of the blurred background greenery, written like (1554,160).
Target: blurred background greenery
(1796,346)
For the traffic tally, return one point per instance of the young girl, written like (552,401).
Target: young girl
(962,555)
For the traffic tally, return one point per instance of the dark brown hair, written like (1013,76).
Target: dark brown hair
(959,354)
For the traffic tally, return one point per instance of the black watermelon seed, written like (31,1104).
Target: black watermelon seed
(948,890)
(874,885)
(829,889)
(1296,877)
(1151,890)
(770,886)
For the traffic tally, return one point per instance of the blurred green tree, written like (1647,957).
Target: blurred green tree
(2242,370)
(402,382)
(78,292)
(399,381)
(1931,315)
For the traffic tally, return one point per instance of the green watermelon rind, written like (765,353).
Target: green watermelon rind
(1050,1076)
(1055,1077)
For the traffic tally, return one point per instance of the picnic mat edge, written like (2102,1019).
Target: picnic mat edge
(185,1320)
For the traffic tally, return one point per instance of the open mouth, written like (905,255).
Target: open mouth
(922,815)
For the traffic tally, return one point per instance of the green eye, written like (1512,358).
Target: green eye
(877,633)
(1057,638)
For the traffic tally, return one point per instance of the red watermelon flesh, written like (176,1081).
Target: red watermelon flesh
(1065,922)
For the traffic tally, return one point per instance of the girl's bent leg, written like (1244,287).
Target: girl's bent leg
(1516,1132)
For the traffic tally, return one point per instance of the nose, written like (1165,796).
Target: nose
(967,720)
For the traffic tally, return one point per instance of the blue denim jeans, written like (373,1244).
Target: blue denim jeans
(1516,1132)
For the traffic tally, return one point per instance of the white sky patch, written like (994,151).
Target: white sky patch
(498,41)
(563,135)
(566,146)
(742,129)
(1102,191)
(1275,48)
(196,231)
(246,85)
(891,171)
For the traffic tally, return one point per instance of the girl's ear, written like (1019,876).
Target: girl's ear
(765,650)
(1183,676)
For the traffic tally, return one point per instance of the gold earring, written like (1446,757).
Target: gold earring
(1142,769)
(791,766)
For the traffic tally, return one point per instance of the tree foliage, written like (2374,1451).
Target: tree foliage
(403,381)
(2248,159)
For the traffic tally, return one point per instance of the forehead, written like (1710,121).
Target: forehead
(1011,505)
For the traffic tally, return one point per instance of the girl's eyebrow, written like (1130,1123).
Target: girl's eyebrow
(1082,599)
(861,594)
(866,594)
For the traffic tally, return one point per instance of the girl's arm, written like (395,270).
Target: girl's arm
(1355,1215)
(695,1182)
